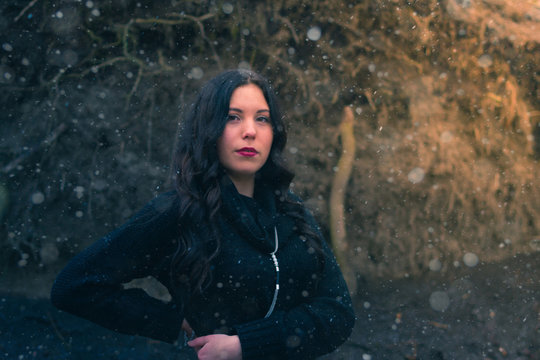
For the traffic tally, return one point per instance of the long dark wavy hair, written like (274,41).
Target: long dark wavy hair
(198,174)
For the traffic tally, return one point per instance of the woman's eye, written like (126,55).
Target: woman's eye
(263,119)
(232,117)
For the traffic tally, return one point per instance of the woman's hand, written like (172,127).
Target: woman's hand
(218,346)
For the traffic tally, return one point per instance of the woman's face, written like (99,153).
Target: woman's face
(245,143)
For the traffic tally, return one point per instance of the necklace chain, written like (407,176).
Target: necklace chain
(276,265)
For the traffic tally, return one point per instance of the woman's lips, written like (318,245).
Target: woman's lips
(247,151)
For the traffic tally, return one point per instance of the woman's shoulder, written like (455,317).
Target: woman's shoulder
(162,209)
(293,197)
(304,209)
(165,202)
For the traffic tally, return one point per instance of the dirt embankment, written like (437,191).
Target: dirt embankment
(444,97)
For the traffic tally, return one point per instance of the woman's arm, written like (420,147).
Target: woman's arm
(91,285)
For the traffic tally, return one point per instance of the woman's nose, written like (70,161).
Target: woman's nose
(249,129)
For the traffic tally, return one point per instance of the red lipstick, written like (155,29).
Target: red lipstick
(247,151)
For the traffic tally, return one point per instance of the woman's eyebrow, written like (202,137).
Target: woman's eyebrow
(241,111)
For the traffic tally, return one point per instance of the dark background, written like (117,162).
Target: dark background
(444,189)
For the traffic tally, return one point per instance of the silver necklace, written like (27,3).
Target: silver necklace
(276,265)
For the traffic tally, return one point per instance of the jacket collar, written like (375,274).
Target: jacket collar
(255,218)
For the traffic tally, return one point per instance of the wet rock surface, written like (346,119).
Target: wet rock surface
(490,311)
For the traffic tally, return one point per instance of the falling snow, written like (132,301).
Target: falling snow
(485,61)
(314,33)
(435,265)
(227,8)
(196,73)
(37,198)
(49,253)
(439,300)
(79,191)
(416,175)
(470,259)
(446,137)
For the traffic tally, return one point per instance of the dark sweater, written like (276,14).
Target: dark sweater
(313,314)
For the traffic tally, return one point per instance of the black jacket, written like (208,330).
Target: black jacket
(313,314)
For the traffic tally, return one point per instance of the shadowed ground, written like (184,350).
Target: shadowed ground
(491,311)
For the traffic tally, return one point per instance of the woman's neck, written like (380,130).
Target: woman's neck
(244,185)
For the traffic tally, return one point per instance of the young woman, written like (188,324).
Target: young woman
(245,263)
